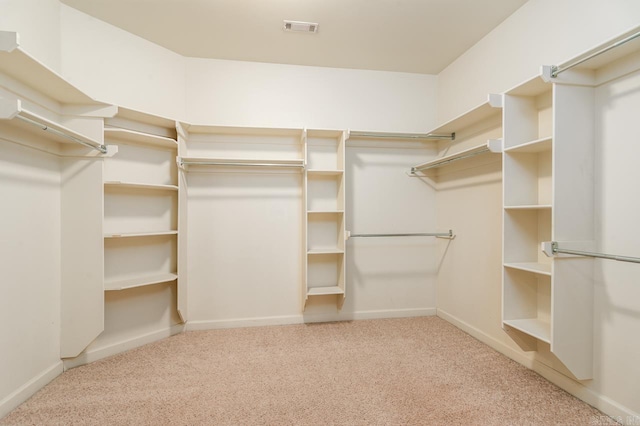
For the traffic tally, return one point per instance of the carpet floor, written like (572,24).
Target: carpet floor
(410,371)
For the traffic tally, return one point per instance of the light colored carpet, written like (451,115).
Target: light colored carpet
(415,371)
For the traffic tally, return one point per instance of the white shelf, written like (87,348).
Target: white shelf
(475,115)
(325,251)
(534,327)
(139,282)
(445,160)
(535,146)
(529,207)
(536,268)
(318,172)
(323,291)
(248,131)
(325,211)
(132,136)
(22,67)
(134,185)
(140,234)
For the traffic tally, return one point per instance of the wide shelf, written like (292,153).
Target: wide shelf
(323,291)
(318,172)
(534,146)
(139,234)
(490,146)
(529,207)
(534,327)
(325,251)
(125,284)
(133,136)
(536,268)
(135,185)
(474,115)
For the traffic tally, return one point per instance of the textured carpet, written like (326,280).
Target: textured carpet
(418,371)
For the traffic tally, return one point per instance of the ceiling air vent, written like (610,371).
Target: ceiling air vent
(301,27)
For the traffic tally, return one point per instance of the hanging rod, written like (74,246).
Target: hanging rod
(555,70)
(381,135)
(97,146)
(555,250)
(422,234)
(238,164)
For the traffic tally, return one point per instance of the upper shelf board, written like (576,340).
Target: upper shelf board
(485,110)
(251,131)
(22,67)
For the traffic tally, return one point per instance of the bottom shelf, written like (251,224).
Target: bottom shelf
(322,291)
(138,282)
(534,327)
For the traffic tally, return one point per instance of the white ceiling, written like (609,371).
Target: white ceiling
(418,36)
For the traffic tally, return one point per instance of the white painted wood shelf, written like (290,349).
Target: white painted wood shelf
(538,145)
(536,268)
(135,185)
(529,207)
(114,134)
(319,172)
(537,328)
(125,284)
(325,251)
(324,291)
(139,234)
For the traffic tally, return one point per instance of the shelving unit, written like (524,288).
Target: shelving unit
(548,194)
(325,216)
(140,203)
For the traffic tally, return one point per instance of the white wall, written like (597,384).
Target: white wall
(30,263)
(117,67)
(542,32)
(38,25)
(272,95)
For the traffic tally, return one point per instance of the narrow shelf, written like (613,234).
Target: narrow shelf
(538,145)
(325,251)
(534,327)
(536,268)
(319,172)
(490,146)
(138,282)
(325,211)
(140,234)
(322,291)
(529,207)
(132,136)
(134,185)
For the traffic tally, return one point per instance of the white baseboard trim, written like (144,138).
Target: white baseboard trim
(307,318)
(606,405)
(94,354)
(27,390)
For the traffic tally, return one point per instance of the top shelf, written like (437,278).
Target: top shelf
(22,67)
(249,131)
(475,115)
(126,135)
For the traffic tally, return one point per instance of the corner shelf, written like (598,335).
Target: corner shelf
(136,137)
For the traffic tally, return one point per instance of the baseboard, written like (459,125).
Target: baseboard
(94,354)
(25,391)
(606,405)
(308,318)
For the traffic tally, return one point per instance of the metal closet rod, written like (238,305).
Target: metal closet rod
(556,249)
(381,135)
(421,234)
(97,146)
(222,163)
(555,70)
